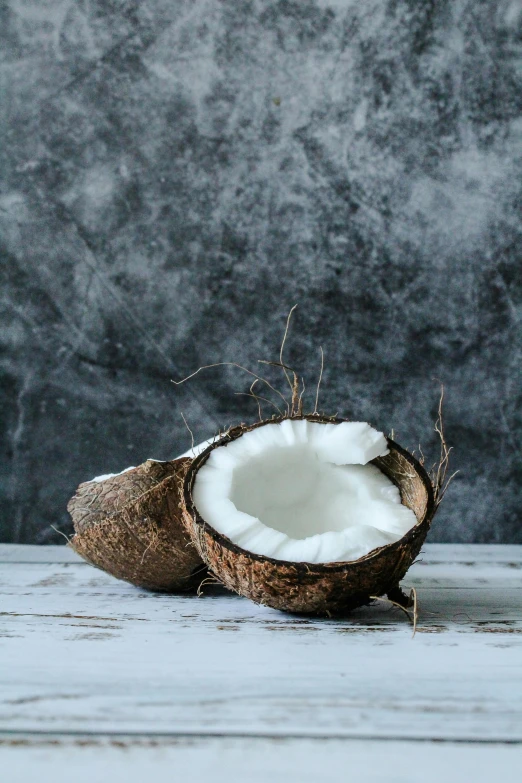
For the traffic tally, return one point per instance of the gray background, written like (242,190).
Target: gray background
(176,175)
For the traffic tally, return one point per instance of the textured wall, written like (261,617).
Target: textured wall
(177,174)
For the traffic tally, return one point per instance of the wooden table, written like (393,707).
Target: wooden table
(100,681)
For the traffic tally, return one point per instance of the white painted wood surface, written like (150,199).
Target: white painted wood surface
(95,672)
(253,760)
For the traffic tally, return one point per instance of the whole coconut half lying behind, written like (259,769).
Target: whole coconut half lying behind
(130,525)
(308,514)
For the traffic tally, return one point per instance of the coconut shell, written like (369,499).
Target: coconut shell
(323,589)
(130,526)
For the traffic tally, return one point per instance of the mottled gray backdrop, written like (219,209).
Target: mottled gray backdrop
(178,173)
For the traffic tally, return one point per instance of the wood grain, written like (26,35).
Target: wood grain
(83,653)
(134,759)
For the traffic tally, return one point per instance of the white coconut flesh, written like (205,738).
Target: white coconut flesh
(192,452)
(302,491)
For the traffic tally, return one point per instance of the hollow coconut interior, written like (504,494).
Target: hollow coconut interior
(303,491)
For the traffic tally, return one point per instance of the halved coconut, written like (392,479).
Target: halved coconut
(129,524)
(308,514)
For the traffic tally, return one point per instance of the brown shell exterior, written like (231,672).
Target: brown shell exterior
(324,589)
(130,526)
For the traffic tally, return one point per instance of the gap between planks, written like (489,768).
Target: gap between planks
(174,737)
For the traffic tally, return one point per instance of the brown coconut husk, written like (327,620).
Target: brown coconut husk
(324,589)
(130,526)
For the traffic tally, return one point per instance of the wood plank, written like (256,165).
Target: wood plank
(44,590)
(446,553)
(80,652)
(221,760)
(32,553)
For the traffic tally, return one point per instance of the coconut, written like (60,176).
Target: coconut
(129,524)
(307,513)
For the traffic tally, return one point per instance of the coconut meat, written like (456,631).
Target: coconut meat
(192,452)
(195,450)
(303,491)
(99,479)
